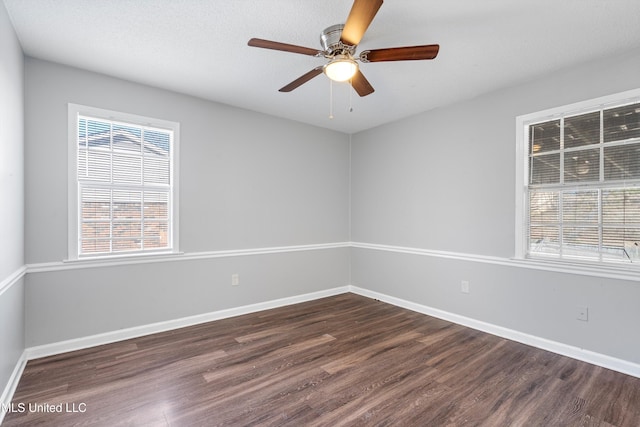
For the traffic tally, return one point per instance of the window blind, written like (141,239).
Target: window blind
(124,187)
(584,185)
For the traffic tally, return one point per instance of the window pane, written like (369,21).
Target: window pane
(127,236)
(157,143)
(621,206)
(543,207)
(96,204)
(621,123)
(127,169)
(155,243)
(544,169)
(98,166)
(622,162)
(127,138)
(156,170)
(580,207)
(123,245)
(156,234)
(82,163)
(98,134)
(82,134)
(95,230)
(582,130)
(580,242)
(582,165)
(544,240)
(95,246)
(621,244)
(129,229)
(156,205)
(127,205)
(544,137)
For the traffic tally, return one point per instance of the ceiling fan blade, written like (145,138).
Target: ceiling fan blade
(268,44)
(361,15)
(408,53)
(302,79)
(361,85)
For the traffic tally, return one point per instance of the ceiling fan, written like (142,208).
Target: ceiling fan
(339,44)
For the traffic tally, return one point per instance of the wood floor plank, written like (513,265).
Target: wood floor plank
(345,360)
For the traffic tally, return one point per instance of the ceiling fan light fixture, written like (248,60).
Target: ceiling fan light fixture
(341,68)
(339,43)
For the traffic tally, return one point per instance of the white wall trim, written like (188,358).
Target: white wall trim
(588,356)
(12,279)
(138,331)
(146,259)
(12,384)
(609,272)
(431,252)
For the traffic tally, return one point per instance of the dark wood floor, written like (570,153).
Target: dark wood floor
(344,360)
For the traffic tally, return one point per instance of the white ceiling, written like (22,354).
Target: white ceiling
(199,47)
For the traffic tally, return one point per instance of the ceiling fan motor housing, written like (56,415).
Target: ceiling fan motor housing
(330,41)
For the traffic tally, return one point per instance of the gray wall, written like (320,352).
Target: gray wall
(247,181)
(69,304)
(444,181)
(11,199)
(441,181)
(12,330)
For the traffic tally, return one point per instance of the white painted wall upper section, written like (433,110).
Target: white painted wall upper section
(11,150)
(247,180)
(445,179)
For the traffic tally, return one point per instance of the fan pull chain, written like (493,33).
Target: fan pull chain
(330,99)
(350,95)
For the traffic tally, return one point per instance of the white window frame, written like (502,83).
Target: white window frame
(76,110)
(522,171)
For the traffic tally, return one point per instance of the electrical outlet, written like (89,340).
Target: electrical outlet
(235,279)
(464,286)
(582,313)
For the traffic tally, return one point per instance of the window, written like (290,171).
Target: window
(122,184)
(580,189)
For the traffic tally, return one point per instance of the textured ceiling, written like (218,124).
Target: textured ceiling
(199,47)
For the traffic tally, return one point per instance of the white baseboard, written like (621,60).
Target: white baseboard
(588,356)
(138,331)
(12,384)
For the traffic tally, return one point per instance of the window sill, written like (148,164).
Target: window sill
(609,271)
(130,258)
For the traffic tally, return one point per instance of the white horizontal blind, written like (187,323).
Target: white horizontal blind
(583,190)
(124,187)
